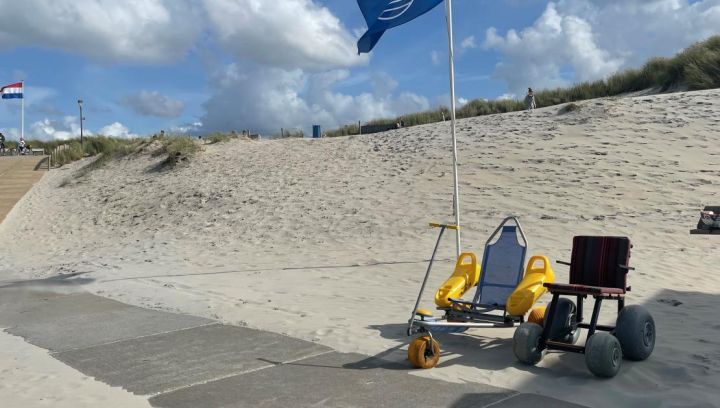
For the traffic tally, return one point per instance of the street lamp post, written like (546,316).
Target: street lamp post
(80,103)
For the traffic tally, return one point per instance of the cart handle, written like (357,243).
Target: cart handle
(448,226)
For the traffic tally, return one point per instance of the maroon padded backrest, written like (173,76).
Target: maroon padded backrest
(595,261)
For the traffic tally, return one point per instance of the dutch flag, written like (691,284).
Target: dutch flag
(12,91)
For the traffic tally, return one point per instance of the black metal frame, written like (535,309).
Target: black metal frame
(593,326)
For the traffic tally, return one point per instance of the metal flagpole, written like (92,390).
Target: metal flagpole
(456,191)
(22,112)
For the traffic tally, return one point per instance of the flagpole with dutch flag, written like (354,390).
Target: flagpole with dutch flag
(382,15)
(15,91)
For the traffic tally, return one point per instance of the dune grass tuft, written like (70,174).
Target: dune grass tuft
(570,107)
(179,148)
(217,137)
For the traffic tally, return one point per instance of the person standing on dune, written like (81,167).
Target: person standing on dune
(530,100)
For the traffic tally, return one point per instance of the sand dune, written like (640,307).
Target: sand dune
(326,239)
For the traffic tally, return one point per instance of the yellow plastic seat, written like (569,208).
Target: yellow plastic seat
(465,276)
(531,286)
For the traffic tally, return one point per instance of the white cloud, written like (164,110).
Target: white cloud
(152,31)
(68,128)
(504,96)
(535,56)
(287,34)
(468,43)
(461,102)
(293,86)
(187,128)
(62,129)
(293,53)
(153,103)
(640,29)
(265,99)
(595,38)
(117,129)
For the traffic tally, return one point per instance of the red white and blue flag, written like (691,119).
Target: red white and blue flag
(12,91)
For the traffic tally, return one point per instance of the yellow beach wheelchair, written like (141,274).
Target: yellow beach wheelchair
(506,290)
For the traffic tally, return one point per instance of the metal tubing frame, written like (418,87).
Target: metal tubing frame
(422,287)
(427,323)
(548,323)
(595,316)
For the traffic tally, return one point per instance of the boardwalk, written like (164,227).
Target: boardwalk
(180,361)
(17,176)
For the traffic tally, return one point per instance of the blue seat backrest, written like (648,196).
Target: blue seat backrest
(501,270)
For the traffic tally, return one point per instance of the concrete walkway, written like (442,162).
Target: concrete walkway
(186,361)
(17,176)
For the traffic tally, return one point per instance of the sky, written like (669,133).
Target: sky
(199,66)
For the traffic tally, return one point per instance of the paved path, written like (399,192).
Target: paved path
(17,176)
(186,361)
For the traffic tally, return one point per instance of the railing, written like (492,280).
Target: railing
(54,153)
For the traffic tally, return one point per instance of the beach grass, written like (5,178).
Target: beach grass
(179,148)
(217,137)
(695,68)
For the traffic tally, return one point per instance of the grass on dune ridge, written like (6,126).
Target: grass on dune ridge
(176,148)
(695,68)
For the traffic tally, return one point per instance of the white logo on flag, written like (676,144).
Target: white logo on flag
(395,9)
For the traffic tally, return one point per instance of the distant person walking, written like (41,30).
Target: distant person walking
(2,143)
(530,100)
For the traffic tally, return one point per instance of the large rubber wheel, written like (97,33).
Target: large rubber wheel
(422,356)
(526,343)
(635,329)
(564,326)
(603,355)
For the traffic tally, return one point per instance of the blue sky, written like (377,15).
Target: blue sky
(206,65)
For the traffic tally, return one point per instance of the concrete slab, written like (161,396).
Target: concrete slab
(61,323)
(186,361)
(14,301)
(168,361)
(332,380)
(535,401)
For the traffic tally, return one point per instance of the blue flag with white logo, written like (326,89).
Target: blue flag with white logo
(381,15)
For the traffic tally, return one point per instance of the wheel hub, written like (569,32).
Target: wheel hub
(647,334)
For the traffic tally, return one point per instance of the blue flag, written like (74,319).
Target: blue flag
(381,15)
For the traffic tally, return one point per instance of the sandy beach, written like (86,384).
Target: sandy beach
(327,240)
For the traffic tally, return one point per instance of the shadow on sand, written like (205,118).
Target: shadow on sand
(686,357)
(58,281)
